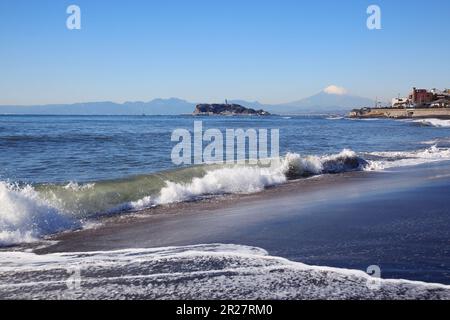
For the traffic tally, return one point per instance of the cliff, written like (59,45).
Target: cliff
(227,109)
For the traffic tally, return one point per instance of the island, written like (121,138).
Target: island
(226,109)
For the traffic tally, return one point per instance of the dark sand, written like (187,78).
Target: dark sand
(398,220)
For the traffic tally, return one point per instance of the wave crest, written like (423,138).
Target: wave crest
(396,159)
(25,216)
(28,213)
(251,179)
(438,123)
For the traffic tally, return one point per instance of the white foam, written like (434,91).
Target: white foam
(365,119)
(396,159)
(431,142)
(74,186)
(443,142)
(27,215)
(24,216)
(222,181)
(237,179)
(251,179)
(335,118)
(438,123)
(214,271)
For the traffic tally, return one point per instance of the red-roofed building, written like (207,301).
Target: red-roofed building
(421,96)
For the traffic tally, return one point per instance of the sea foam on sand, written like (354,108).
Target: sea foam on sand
(214,271)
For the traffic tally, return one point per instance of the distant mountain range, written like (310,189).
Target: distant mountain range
(317,104)
(170,106)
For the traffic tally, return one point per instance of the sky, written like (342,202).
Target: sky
(209,50)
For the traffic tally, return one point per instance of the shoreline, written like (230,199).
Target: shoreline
(349,220)
(185,209)
(207,272)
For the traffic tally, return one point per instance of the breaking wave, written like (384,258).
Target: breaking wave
(30,212)
(213,271)
(395,159)
(250,179)
(438,123)
(335,118)
(25,216)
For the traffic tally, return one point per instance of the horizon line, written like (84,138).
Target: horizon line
(177,98)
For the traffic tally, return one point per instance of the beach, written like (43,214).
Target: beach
(346,225)
(397,221)
(224,151)
(352,220)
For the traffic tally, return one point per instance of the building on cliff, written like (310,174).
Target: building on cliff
(421,103)
(401,103)
(421,96)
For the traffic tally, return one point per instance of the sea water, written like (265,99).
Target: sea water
(56,172)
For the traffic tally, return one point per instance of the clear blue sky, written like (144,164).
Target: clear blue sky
(271,51)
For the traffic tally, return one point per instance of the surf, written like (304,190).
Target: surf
(203,271)
(31,212)
(437,123)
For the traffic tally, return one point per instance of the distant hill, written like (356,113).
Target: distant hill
(172,106)
(320,103)
(251,104)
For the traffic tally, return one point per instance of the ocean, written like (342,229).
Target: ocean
(65,175)
(58,172)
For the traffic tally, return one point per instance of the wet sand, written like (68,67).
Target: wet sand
(398,220)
